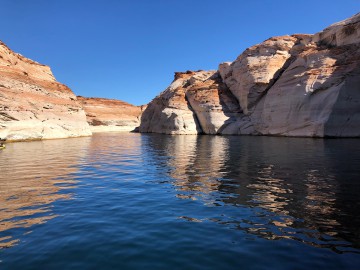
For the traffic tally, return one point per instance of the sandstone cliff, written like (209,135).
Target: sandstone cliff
(111,115)
(299,85)
(33,105)
(170,112)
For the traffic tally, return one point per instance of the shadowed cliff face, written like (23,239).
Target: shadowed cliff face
(315,96)
(299,85)
(111,115)
(33,105)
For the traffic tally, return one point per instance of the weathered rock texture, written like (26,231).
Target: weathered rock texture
(170,112)
(33,105)
(299,85)
(111,115)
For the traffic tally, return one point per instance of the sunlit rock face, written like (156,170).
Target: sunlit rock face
(170,112)
(111,115)
(196,102)
(299,85)
(33,105)
(250,75)
(216,108)
(341,33)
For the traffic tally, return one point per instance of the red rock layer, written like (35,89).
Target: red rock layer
(111,115)
(33,105)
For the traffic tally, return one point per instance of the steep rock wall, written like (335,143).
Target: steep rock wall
(299,85)
(33,105)
(317,96)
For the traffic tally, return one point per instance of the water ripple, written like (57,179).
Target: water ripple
(132,201)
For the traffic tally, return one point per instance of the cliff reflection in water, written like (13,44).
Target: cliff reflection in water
(194,169)
(300,189)
(32,178)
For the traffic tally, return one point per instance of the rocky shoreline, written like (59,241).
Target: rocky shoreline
(299,85)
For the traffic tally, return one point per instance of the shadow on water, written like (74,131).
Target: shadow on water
(279,188)
(32,179)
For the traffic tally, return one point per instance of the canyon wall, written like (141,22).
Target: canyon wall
(298,85)
(33,105)
(105,115)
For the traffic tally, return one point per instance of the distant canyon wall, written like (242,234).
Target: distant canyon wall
(105,115)
(298,85)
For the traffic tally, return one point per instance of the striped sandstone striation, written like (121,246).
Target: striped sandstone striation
(33,105)
(111,115)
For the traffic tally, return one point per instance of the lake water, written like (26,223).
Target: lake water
(147,201)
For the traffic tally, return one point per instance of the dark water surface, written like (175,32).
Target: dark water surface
(132,201)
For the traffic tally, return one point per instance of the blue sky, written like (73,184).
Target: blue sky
(130,49)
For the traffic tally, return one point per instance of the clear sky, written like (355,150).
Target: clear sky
(130,49)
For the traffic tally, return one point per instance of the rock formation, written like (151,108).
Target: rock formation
(111,115)
(170,112)
(33,105)
(298,85)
